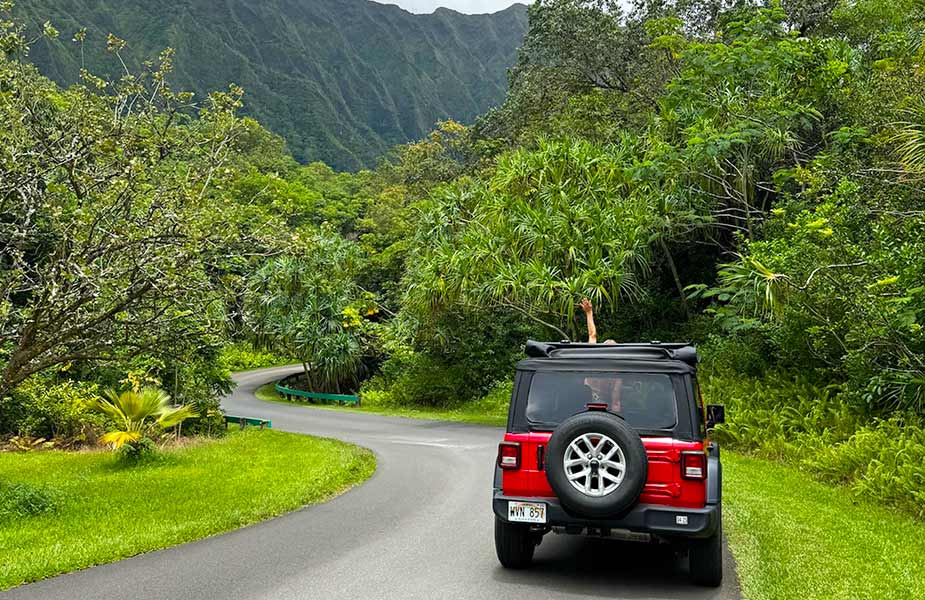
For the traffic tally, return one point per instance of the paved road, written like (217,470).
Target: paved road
(420,528)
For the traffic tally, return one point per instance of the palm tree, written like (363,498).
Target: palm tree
(139,414)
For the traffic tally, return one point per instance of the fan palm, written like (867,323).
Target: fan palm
(911,138)
(139,413)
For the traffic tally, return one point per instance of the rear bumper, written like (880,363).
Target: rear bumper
(659,520)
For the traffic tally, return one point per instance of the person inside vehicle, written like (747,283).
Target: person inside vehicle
(606,390)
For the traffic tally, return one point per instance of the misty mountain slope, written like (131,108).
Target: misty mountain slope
(341,80)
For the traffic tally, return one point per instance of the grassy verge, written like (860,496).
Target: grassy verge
(467,413)
(793,537)
(78,509)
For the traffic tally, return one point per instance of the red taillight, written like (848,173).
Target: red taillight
(509,455)
(694,465)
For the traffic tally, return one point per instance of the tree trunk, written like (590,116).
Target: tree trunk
(674,274)
(308,374)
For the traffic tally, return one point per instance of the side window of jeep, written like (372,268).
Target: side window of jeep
(701,411)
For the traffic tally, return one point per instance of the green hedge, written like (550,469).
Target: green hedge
(242,356)
(41,407)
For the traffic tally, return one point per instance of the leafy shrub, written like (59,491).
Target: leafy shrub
(456,358)
(207,419)
(745,353)
(40,408)
(422,379)
(242,356)
(20,500)
(139,451)
(884,461)
(12,413)
(496,401)
(824,431)
(373,398)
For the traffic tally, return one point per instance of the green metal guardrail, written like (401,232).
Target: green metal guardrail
(245,421)
(342,398)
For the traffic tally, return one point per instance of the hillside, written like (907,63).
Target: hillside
(341,80)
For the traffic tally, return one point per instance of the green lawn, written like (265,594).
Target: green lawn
(795,538)
(467,414)
(102,511)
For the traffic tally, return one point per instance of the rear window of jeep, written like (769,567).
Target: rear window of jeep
(645,400)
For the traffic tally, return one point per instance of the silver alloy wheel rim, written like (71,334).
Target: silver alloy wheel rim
(594,464)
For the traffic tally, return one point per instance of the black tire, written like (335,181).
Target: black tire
(706,559)
(514,544)
(636,464)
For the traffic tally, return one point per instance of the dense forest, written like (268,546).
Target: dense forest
(341,80)
(745,176)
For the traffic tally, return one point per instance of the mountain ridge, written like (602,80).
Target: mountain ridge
(342,81)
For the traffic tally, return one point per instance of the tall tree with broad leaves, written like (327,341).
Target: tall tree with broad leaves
(105,220)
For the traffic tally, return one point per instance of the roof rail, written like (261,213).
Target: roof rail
(644,350)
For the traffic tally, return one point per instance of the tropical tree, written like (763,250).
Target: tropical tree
(579,57)
(106,213)
(551,226)
(308,305)
(138,414)
(830,277)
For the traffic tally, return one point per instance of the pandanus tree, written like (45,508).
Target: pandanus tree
(308,305)
(139,414)
(550,226)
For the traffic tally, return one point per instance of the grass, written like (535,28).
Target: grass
(472,413)
(77,509)
(793,537)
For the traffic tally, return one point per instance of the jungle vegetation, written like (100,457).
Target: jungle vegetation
(747,176)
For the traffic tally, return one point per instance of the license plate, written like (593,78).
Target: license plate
(526,512)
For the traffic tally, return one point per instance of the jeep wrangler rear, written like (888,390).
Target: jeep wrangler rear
(609,440)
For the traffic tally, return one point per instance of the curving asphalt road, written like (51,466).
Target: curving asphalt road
(420,528)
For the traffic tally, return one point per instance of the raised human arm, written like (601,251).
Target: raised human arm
(588,308)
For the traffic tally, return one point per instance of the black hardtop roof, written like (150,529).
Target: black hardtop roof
(651,356)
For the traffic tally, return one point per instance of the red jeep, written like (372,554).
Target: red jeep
(609,440)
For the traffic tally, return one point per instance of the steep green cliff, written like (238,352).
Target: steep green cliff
(341,80)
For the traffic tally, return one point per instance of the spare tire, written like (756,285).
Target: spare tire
(596,464)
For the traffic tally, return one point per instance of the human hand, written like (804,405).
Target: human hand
(586,305)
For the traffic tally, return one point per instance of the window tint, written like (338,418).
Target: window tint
(645,400)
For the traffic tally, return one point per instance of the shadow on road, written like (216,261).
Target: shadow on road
(607,568)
